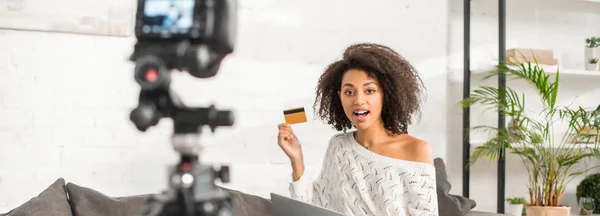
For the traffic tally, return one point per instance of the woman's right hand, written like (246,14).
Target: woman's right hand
(289,143)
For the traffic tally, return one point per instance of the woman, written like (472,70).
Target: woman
(377,169)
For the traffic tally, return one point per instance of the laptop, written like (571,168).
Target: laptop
(285,206)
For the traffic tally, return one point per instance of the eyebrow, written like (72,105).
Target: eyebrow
(368,83)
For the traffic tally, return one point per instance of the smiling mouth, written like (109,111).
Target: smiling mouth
(361,113)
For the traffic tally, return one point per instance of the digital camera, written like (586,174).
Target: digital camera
(211,22)
(187,35)
(192,36)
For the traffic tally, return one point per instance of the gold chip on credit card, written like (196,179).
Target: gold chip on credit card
(295,115)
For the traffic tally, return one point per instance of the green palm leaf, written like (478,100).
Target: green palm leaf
(548,161)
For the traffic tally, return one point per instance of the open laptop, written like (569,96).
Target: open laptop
(285,206)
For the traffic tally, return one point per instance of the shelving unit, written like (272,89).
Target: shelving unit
(467,90)
(468,74)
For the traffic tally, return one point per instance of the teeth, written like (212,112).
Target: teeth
(361,112)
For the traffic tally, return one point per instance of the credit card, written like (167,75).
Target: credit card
(294,115)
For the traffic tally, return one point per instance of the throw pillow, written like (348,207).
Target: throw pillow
(249,205)
(88,202)
(50,202)
(447,203)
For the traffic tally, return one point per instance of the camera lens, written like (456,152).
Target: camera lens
(151,73)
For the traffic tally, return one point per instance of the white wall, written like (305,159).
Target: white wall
(65,99)
(558,25)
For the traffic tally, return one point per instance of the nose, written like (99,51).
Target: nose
(359,100)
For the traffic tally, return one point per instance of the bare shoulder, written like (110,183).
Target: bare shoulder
(418,149)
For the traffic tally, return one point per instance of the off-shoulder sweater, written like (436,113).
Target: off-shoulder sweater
(356,181)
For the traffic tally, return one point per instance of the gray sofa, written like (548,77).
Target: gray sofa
(70,199)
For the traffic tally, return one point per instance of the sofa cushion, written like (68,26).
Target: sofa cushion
(447,203)
(249,205)
(88,202)
(50,202)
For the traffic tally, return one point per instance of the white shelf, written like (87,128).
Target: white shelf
(550,69)
(579,72)
(475,143)
(592,2)
(565,73)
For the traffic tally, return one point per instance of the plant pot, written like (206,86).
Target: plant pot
(585,212)
(547,210)
(591,53)
(515,209)
(591,67)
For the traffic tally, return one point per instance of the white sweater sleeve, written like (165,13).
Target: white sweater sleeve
(305,188)
(421,193)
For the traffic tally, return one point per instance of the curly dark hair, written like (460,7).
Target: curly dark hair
(401,85)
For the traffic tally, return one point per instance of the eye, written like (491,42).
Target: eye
(370,91)
(348,92)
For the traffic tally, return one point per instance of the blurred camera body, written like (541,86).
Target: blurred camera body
(187,35)
(192,36)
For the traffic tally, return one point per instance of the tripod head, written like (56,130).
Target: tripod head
(157,100)
(193,36)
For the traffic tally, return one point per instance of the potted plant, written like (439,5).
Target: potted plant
(592,48)
(588,194)
(592,64)
(515,205)
(547,153)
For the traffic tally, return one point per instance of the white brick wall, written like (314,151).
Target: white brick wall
(65,98)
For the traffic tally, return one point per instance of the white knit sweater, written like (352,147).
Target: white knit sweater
(356,181)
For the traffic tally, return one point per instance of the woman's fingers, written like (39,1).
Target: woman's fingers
(289,132)
(285,128)
(284,125)
(288,129)
(283,136)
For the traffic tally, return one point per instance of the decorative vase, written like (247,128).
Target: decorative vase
(591,67)
(515,209)
(548,210)
(585,212)
(586,205)
(591,53)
